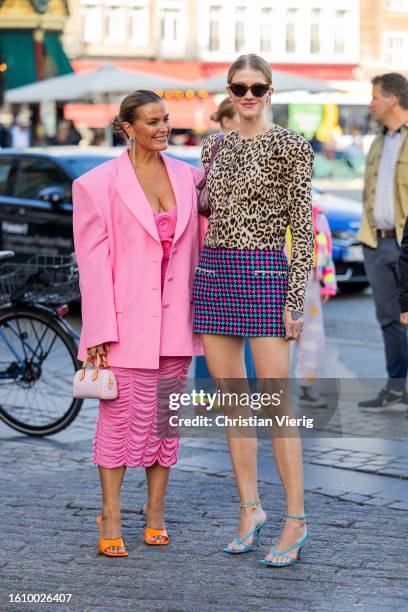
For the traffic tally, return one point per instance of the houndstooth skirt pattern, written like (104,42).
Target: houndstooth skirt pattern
(240,292)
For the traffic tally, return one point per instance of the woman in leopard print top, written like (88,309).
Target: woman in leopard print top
(258,184)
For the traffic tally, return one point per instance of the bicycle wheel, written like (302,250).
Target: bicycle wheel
(37,365)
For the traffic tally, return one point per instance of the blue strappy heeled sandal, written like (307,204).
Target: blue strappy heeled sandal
(282,553)
(255,532)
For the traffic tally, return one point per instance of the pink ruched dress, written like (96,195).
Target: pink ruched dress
(131,430)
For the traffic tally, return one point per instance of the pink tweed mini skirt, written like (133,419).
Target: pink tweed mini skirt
(127,429)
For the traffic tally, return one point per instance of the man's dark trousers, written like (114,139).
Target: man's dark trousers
(381,265)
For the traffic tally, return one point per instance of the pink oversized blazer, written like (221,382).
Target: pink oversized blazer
(119,258)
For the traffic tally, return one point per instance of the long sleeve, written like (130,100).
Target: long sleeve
(301,226)
(403,270)
(95,270)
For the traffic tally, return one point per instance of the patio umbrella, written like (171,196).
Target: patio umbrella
(282,81)
(107,79)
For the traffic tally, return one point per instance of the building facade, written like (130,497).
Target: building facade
(384,37)
(314,37)
(195,39)
(307,34)
(132,29)
(30,40)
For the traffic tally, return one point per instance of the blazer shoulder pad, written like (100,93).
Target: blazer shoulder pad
(101,172)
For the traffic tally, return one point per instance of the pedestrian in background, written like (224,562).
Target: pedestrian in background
(137,243)
(385,200)
(403,278)
(20,133)
(259,183)
(5,138)
(66,135)
(226,116)
(321,285)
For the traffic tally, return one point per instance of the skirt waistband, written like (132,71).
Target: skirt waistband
(243,258)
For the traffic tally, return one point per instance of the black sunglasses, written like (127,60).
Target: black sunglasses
(258,89)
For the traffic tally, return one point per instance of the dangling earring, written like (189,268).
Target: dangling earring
(132,147)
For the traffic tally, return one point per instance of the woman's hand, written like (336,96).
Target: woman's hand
(101,349)
(293,321)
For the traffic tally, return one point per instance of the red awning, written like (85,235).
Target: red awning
(194,71)
(185,114)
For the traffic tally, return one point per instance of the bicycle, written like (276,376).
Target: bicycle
(38,347)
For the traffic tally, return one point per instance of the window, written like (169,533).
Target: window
(115,21)
(139,24)
(315,31)
(266,29)
(5,175)
(240,19)
(172,20)
(214,28)
(291,15)
(92,21)
(398,6)
(395,48)
(340,31)
(36,174)
(168,25)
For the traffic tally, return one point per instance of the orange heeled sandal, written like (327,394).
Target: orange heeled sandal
(155,533)
(110,543)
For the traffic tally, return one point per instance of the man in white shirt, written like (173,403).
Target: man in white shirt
(20,134)
(385,211)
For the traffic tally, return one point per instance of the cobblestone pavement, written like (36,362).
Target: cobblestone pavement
(356,496)
(360,461)
(356,558)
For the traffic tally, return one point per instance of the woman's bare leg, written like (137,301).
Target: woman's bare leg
(157,478)
(271,357)
(111,482)
(225,360)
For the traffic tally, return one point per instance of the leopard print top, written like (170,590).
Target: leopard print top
(257,187)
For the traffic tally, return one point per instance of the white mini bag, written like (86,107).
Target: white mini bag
(95,383)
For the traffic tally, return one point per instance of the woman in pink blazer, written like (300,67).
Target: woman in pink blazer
(136,231)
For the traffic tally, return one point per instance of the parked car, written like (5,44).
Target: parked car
(36,197)
(36,204)
(344,217)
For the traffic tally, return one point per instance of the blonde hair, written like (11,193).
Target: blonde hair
(254,62)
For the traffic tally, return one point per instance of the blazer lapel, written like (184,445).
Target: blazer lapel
(133,195)
(178,175)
